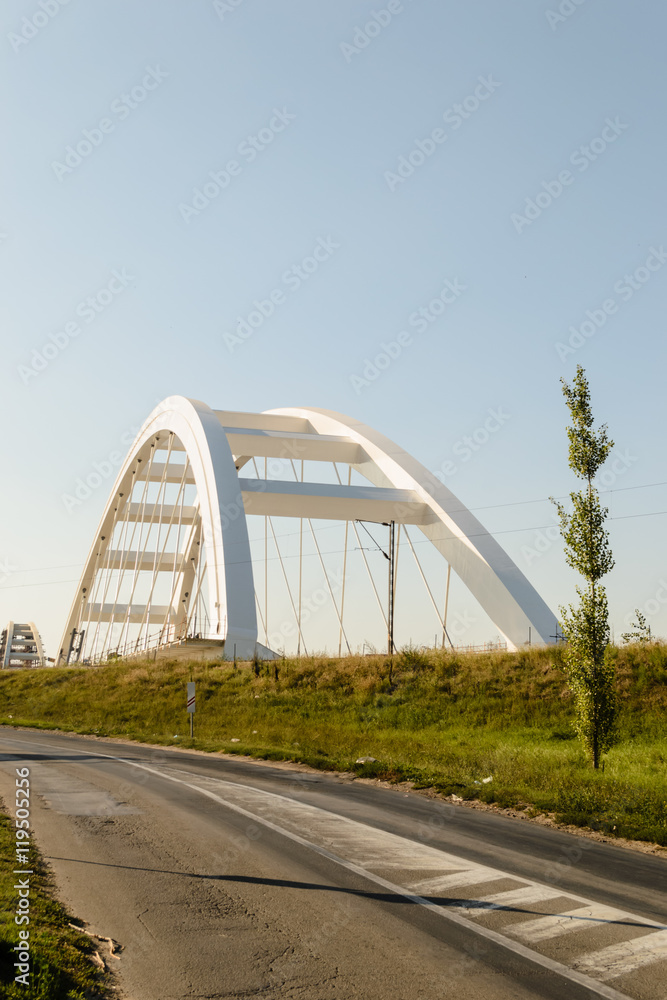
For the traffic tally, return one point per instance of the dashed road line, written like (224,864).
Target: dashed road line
(513,897)
(580,919)
(458,880)
(620,959)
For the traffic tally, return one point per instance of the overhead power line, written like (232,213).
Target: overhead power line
(505,531)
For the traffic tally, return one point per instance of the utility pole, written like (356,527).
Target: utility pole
(391,559)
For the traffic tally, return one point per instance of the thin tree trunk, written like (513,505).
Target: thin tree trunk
(596,754)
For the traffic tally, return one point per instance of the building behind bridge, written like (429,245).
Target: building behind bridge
(21,646)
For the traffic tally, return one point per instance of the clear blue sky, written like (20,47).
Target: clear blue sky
(565,111)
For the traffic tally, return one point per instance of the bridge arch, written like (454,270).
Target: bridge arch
(172,550)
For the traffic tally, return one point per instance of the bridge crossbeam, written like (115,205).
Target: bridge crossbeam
(156,513)
(135,614)
(334,503)
(159,562)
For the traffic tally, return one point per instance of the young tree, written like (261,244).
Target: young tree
(586,626)
(641,631)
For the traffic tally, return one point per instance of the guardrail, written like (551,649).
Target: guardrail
(147,644)
(157,641)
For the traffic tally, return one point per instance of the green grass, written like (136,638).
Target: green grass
(438,719)
(61,968)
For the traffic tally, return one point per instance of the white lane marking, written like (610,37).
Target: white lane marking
(582,979)
(514,897)
(457,880)
(365,846)
(580,919)
(619,959)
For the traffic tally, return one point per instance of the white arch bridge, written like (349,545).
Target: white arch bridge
(172,557)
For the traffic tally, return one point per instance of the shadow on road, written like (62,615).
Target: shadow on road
(383,897)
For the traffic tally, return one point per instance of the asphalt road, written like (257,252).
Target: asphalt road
(227,878)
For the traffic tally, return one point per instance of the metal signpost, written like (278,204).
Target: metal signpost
(191,706)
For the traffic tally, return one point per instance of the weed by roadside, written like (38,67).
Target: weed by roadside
(60,957)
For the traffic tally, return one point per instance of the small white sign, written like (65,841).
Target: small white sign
(191,696)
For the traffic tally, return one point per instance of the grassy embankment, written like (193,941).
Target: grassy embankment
(60,965)
(436,718)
